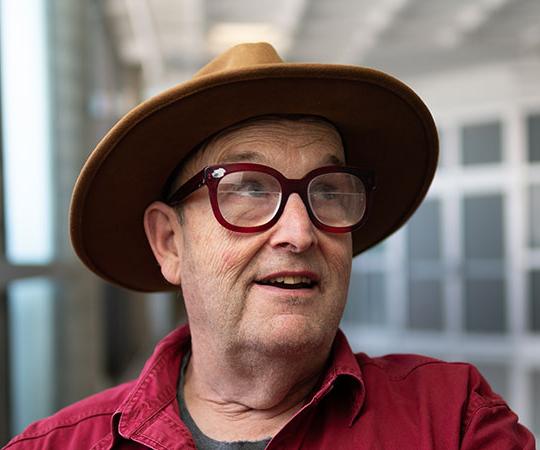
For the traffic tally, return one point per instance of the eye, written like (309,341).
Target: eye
(250,187)
(325,191)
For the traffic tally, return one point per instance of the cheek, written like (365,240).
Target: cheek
(221,255)
(339,250)
(338,255)
(236,255)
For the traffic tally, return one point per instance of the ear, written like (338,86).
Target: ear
(163,231)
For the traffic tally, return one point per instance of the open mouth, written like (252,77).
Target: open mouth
(289,282)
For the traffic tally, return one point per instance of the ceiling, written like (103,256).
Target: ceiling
(171,39)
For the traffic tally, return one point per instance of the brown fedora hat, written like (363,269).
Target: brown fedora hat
(384,125)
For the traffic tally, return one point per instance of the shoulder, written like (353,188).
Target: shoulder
(451,399)
(79,425)
(431,382)
(426,373)
(403,366)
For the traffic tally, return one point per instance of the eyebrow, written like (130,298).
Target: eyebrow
(245,156)
(248,156)
(334,160)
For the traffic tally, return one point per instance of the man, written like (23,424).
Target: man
(277,175)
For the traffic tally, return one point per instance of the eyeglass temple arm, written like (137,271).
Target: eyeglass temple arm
(195,182)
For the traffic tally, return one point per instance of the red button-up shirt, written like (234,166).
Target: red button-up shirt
(394,402)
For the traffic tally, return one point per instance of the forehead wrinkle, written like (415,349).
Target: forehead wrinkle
(282,130)
(287,138)
(315,140)
(249,156)
(242,156)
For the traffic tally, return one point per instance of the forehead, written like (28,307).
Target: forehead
(268,138)
(302,140)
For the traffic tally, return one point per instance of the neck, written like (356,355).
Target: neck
(246,394)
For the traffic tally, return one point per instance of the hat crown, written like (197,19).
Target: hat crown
(241,56)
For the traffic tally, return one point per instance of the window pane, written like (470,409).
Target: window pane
(485,305)
(31,339)
(425,305)
(534,300)
(423,232)
(534,218)
(483,216)
(366,302)
(26,132)
(533,132)
(481,144)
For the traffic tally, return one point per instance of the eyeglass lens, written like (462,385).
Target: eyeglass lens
(337,199)
(252,198)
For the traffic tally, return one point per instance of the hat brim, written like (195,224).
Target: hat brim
(384,125)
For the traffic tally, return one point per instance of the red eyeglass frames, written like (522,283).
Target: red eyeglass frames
(248,198)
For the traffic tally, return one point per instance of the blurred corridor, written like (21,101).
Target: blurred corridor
(460,282)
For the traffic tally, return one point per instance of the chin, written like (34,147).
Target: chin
(293,335)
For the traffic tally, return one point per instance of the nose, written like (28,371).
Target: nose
(294,230)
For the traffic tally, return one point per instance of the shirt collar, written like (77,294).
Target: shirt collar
(342,367)
(156,387)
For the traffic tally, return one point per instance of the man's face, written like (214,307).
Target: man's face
(221,271)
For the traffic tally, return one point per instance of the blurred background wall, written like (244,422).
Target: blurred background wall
(461,281)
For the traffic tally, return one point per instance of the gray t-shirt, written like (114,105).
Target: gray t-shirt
(203,442)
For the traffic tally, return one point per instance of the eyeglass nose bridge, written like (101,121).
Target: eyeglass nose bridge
(294,186)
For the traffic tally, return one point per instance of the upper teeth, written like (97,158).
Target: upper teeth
(290,280)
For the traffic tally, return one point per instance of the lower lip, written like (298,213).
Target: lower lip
(274,290)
